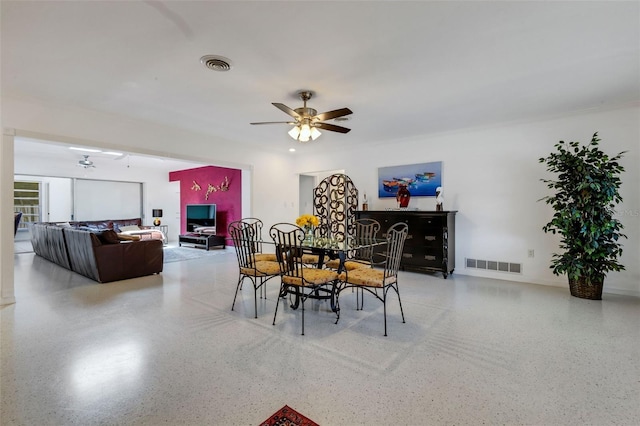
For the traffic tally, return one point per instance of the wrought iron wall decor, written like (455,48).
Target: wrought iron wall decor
(224,186)
(335,201)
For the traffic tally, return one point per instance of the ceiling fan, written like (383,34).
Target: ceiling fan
(308,121)
(86,163)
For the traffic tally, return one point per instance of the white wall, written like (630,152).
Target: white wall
(492,177)
(55,197)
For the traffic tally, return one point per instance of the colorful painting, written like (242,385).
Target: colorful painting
(421,179)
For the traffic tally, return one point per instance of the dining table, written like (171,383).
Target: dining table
(331,248)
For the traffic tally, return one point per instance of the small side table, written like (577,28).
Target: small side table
(205,241)
(164,229)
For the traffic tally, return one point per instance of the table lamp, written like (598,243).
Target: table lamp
(157,214)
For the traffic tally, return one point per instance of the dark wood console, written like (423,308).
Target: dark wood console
(430,244)
(204,241)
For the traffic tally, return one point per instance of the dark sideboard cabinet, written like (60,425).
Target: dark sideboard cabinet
(431,241)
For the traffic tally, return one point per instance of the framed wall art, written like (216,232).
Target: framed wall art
(421,179)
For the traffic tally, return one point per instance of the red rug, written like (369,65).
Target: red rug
(287,416)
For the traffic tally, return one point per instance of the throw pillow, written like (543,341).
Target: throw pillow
(109,236)
(126,237)
(95,241)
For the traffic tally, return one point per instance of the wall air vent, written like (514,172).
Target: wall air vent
(494,265)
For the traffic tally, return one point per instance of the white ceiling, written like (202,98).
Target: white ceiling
(64,160)
(405,68)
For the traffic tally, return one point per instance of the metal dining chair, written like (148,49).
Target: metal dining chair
(257,226)
(257,271)
(296,277)
(384,275)
(17,216)
(366,231)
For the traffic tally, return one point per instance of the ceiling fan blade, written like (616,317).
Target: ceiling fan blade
(332,127)
(286,110)
(275,122)
(330,115)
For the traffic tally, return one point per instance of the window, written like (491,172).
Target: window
(26,199)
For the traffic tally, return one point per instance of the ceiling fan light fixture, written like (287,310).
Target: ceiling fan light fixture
(308,121)
(294,132)
(86,163)
(305,133)
(315,133)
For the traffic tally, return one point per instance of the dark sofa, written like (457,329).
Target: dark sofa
(97,253)
(101,225)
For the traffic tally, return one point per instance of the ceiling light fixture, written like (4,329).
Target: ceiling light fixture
(84,149)
(308,121)
(305,131)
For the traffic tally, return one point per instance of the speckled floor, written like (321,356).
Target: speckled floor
(167,349)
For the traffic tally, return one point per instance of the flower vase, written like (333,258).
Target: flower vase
(403,196)
(308,234)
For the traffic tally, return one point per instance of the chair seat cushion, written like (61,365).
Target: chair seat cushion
(266,256)
(262,268)
(311,276)
(349,265)
(310,258)
(366,277)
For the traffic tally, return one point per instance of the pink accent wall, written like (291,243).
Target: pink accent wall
(228,203)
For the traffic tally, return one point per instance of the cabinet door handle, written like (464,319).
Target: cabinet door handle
(429,257)
(430,237)
(407,255)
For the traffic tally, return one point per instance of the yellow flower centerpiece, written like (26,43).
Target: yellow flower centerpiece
(308,222)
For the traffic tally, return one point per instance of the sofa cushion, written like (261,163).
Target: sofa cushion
(129,228)
(119,223)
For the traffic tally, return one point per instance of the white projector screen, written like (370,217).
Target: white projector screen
(106,199)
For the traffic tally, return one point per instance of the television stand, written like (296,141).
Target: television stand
(205,241)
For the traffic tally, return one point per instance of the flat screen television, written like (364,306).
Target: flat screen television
(200,215)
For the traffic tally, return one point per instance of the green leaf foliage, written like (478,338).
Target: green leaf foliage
(585,194)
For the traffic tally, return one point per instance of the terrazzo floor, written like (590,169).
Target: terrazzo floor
(167,349)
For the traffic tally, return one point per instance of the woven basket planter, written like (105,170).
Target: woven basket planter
(586,290)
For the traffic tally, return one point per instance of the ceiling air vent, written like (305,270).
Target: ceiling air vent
(216,63)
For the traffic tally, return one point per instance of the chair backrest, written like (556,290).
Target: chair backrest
(17,217)
(257,225)
(366,231)
(288,239)
(244,240)
(396,236)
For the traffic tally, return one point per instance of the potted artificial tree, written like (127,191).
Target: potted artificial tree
(586,192)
